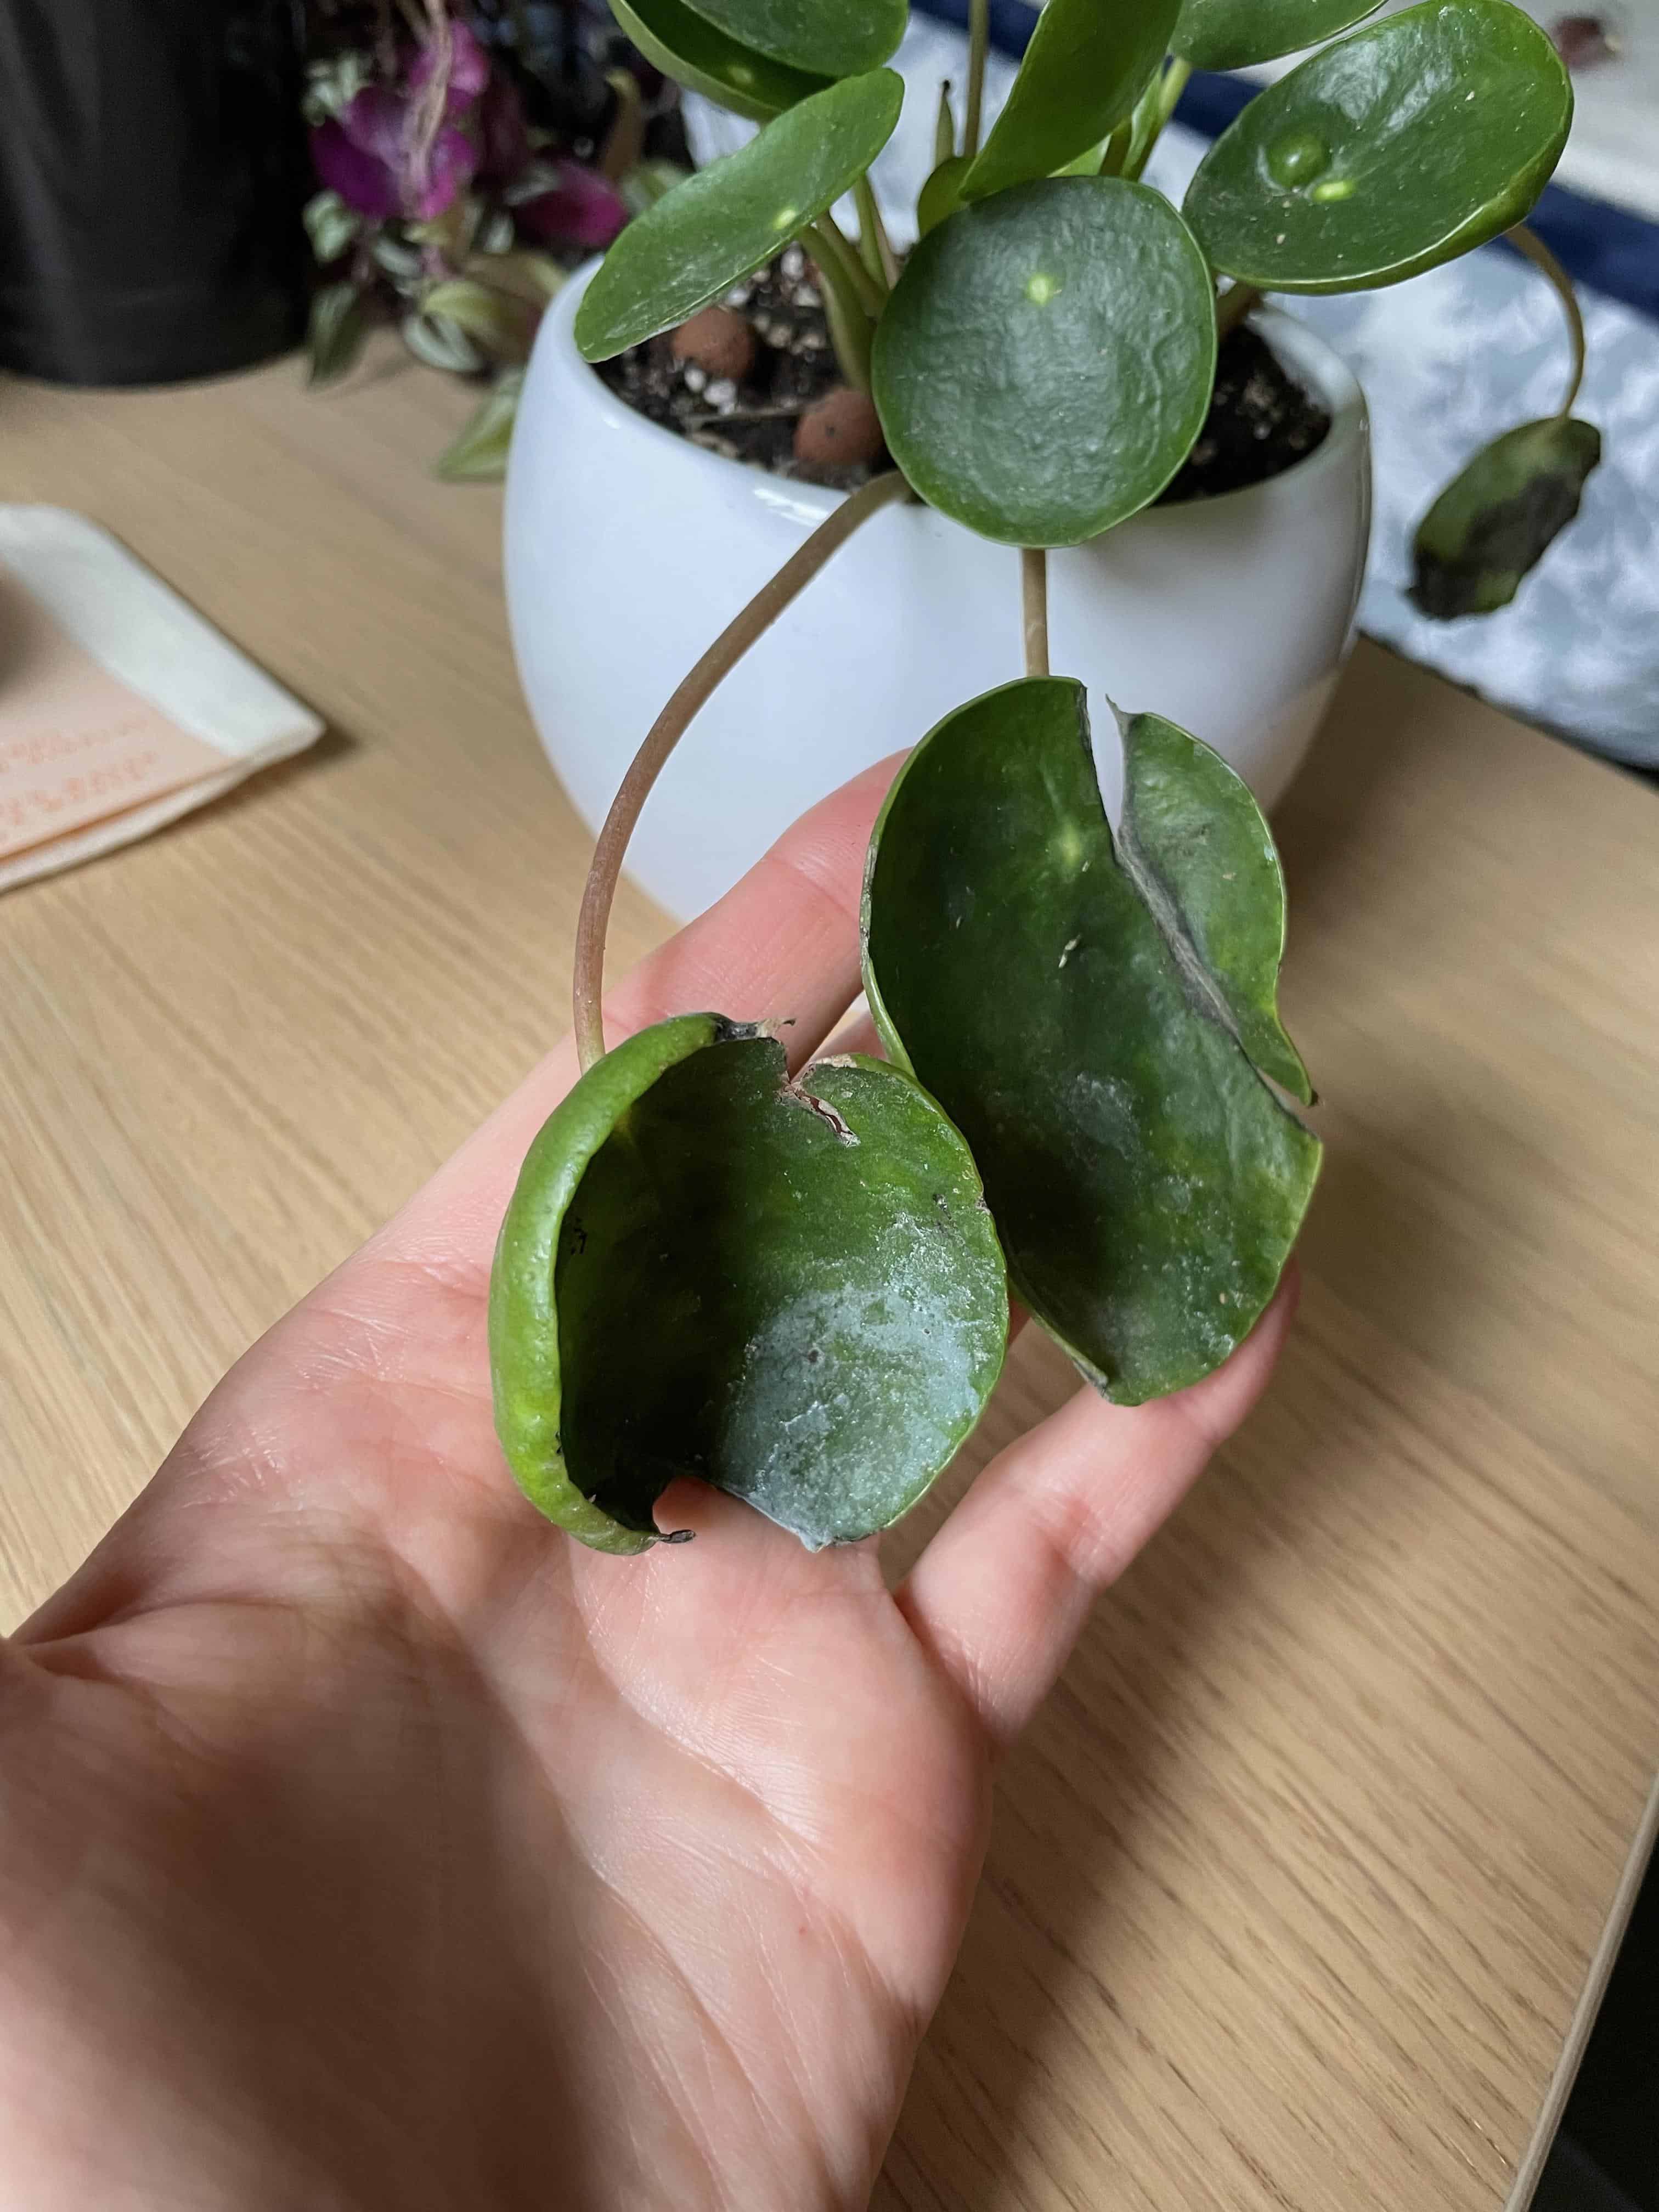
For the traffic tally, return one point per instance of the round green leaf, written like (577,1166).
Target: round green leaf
(732,217)
(1045,359)
(843,38)
(703,59)
(790,1290)
(1230,35)
(1497,518)
(1098,1019)
(1084,69)
(1403,146)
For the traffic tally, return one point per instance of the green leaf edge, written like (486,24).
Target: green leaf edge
(524,1337)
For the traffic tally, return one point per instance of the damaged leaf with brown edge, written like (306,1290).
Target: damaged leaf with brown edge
(1497,518)
(1099,1020)
(790,1290)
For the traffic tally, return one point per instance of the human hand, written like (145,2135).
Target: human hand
(364,1842)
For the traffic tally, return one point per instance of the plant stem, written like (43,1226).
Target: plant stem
(1157,104)
(831,240)
(1231,309)
(665,733)
(852,324)
(1034,607)
(979,46)
(875,247)
(1538,254)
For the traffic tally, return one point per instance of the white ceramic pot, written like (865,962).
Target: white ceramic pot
(628,550)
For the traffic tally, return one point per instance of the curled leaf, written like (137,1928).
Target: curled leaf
(1497,518)
(790,1290)
(1099,1020)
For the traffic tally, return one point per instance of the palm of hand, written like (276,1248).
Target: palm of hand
(364,1842)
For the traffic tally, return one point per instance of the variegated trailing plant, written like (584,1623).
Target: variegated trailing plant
(795,1287)
(468,154)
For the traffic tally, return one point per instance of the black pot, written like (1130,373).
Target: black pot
(153,169)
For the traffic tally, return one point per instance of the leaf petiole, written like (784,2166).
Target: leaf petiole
(665,733)
(1528,242)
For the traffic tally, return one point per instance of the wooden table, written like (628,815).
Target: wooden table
(1293,1887)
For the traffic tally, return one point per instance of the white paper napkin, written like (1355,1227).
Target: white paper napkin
(120,707)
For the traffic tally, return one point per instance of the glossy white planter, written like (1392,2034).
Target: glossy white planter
(628,550)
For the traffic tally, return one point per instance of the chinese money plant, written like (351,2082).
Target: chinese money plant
(796,1287)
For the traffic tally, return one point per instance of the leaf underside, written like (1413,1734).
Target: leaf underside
(1093,1017)
(792,1291)
(1395,149)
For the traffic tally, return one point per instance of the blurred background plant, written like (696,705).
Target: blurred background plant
(468,154)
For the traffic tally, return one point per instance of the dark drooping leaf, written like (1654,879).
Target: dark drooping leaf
(1395,149)
(1045,359)
(791,1291)
(1496,520)
(728,219)
(1093,1018)
(701,57)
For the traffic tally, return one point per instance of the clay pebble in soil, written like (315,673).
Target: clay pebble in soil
(749,415)
(841,429)
(719,341)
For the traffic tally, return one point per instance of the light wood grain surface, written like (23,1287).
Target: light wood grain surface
(1293,1887)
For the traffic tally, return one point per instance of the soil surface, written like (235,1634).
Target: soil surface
(753,420)
(1260,419)
(1261,422)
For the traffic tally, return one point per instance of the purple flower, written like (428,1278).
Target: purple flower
(583,209)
